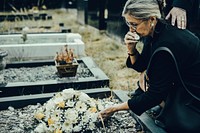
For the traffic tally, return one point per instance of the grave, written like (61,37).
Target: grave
(143,122)
(37,46)
(46,80)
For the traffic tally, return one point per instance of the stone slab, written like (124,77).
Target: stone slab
(40,46)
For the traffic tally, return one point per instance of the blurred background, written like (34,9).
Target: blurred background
(101,14)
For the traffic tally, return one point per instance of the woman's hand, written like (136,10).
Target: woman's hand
(107,112)
(131,40)
(111,110)
(178,15)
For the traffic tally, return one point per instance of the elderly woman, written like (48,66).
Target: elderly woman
(181,51)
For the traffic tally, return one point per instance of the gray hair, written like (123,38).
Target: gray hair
(142,9)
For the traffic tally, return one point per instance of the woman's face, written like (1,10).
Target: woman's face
(141,27)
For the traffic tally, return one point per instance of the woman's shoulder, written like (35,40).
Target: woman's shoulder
(175,35)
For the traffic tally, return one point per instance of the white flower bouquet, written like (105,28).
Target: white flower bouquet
(68,111)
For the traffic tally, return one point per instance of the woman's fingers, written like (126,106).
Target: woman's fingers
(131,38)
(130,42)
(106,113)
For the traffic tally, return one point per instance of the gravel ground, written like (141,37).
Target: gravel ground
(27,74)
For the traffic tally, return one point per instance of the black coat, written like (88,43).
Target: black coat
(192,8)
(162,72)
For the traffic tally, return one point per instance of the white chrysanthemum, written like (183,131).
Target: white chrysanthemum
(56,115)
(68,93)
(85,118)
(78,93)
(70,90)
(57,125)
(71,115)
(47,115)
(67,126)
(57,100)
(81,106)
(39,110)
(41,128)
(84,97)
(77,128)
(92,103)
(50,105)
(54,126)
(91,126)
(92,116)
(70,103)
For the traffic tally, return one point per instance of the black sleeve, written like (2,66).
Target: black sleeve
(161,76)
(139,65)
(184,4)
(142,61)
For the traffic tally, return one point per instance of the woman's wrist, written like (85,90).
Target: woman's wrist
(133,53)
(122,106)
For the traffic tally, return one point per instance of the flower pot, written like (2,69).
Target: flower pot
(67,69)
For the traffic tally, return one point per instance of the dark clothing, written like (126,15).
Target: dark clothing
(192,8)
(162,72)
(184,4)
